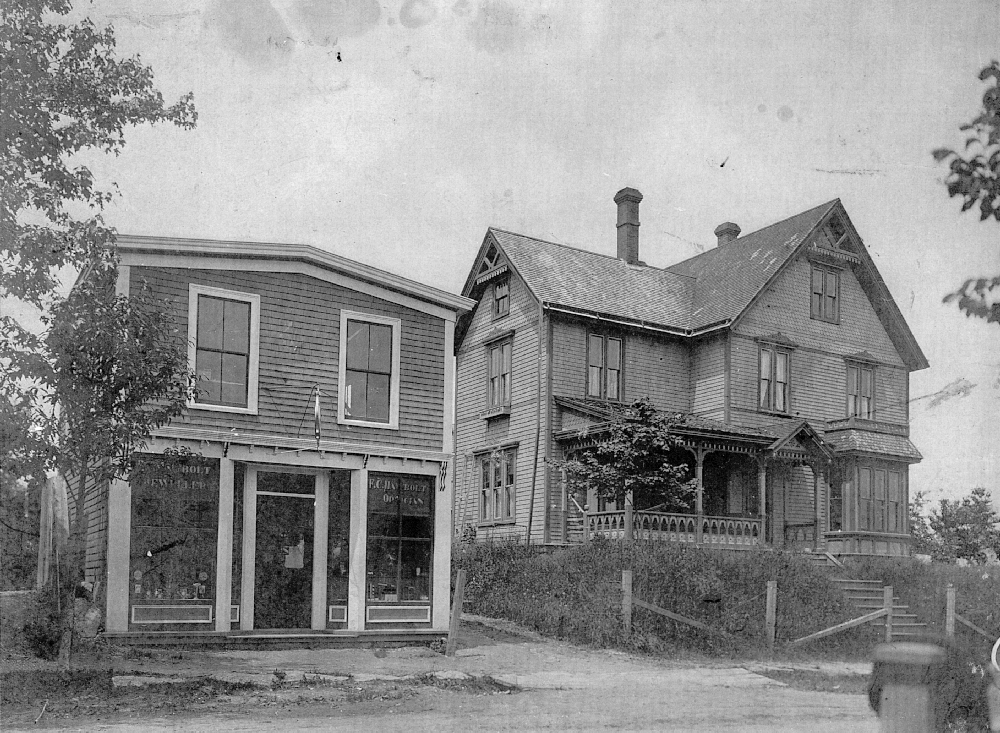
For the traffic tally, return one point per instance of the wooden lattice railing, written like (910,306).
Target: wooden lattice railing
(715,531)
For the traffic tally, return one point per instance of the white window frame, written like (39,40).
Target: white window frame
(396,325)
(194,291)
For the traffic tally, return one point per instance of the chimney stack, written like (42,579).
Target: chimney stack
(628,224)
(727,232)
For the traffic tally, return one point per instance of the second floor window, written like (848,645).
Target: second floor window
(604,367)
(498,356)
(222,329)
(369,370)
(825,304)
(860,391)
(501,299)
(497,491)
(773,379)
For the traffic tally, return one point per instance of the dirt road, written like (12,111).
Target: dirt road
(560,687)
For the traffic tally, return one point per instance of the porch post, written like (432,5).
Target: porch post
(818,514)
(224,547)
(699,457)
(762,492)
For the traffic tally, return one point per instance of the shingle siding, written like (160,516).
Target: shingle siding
(299,348)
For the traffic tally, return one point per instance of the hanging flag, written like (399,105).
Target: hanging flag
(317,423)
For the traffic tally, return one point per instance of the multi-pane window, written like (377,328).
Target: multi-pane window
(501,299)
(496,490)
(773,395)
(860,391)
(499,369)
(881,500)
(604,367)
(369,369)
(400,537)
(223,348)
(825,294)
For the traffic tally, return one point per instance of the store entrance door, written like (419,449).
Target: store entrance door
(283,556)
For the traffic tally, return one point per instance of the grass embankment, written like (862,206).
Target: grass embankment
(575,594)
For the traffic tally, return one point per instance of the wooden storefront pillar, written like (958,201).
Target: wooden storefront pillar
(119,540)
(224,547)
(358,551)
(321,531)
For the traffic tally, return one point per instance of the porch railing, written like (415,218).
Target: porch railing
(715,531)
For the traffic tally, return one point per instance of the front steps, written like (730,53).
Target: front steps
(866,596)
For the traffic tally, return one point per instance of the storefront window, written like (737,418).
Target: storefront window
(400,526)
(338,549)
(173,540)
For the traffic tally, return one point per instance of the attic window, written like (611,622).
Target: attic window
(490,261)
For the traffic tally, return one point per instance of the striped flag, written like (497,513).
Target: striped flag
(317,418)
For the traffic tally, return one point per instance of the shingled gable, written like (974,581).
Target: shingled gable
(709,291)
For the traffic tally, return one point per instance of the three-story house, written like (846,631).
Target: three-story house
(782,351)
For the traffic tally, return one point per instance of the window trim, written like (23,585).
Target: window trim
(822,315)
(502,404)
(396,324)
(497,314)
(605,337)
(253,366)
(774,350)
(861,366)
(488,495)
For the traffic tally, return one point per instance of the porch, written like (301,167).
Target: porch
(691,529)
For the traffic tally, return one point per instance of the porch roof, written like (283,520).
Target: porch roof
(866,441)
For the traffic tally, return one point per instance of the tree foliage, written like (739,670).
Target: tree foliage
(640,457)
(963,528)
(975,177)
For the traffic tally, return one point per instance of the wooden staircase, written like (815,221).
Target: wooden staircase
(866,596)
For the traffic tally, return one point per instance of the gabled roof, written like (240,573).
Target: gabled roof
(593,283)
(729,277)
(709,291)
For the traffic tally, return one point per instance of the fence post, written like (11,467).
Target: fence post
(629,522)
(586,525)
(770,614)
(949,612)
(627,601)
(456,614)
(887,604)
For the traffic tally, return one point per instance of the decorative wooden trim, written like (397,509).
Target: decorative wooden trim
(420,614)
(501,411)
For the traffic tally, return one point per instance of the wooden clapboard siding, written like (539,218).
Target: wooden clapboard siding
(95,504)
(299,348)
(784,308)
(708,377)
(891,395)
(798,502)
(654,366)
(475,434)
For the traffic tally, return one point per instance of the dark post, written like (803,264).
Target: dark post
(456,614)
(627,601)
(906,701)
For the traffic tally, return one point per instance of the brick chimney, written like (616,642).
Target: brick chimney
(727,232)
(628,224)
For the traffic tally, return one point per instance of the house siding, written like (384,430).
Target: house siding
(708,377)
(476,435)
(299,348)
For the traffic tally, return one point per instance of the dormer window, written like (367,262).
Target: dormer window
(501,299)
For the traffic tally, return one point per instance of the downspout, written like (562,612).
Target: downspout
(538,422)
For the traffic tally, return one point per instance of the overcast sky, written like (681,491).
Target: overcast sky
(395,133)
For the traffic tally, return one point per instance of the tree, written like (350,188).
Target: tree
(638,459)
(111,362)
(976,179)
(956,529)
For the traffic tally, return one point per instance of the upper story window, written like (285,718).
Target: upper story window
(825,294)
(497,487)
(369,370)
(499,358)
(223,335)
(860,391)
(774,379)
(501,299)
(604,367)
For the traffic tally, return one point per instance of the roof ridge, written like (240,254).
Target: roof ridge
(826,205)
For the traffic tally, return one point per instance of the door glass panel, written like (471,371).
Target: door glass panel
(284,552)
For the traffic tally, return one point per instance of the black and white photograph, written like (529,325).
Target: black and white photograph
(487,365)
